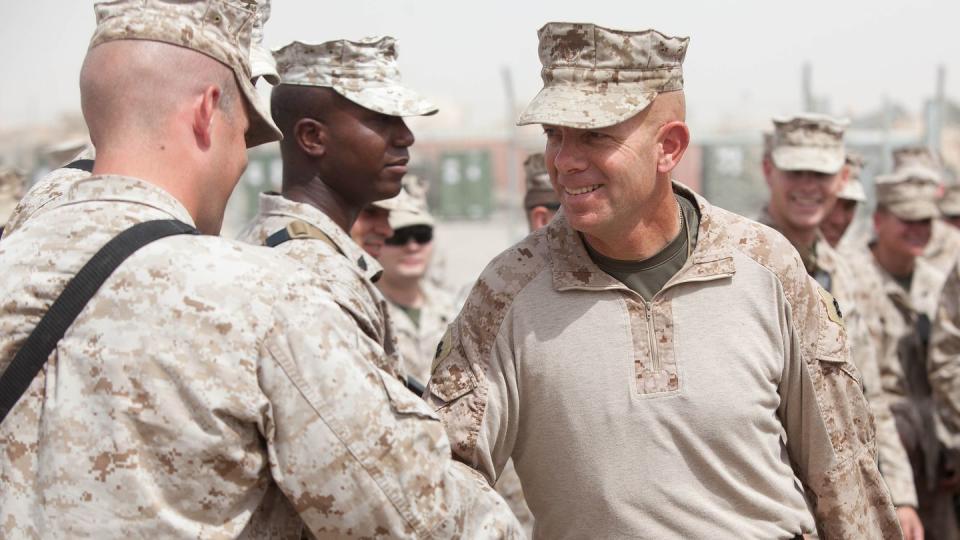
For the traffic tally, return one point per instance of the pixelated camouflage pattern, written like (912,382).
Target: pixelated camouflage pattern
(402,201)
(596,77)
(345,265)
(943,248)
(11,191)
(366,72)
(905,377)
(910,192)
(920,156)
(809,142)
(836,462)
(262,63)
(418,343)
(417,189)
(944,364)
(210,389)
(539,189)
(853,190)
(42,195)
(220,29)
(858,294)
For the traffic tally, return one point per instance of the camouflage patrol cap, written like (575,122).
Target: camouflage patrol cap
(915,155)
(402,202)
(910,193)
(262,63)
(808,142)
(220,29)
(365,72)
(12,183)
(595,77)
(540,191)
(419,214)
(853,189)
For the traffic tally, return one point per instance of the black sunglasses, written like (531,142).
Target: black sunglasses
(421,234)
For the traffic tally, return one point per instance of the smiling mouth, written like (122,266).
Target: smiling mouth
(581,191)
(806,201)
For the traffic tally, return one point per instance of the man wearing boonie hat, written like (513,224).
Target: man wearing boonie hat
(805,171)
(208,388)
(341,106)
(839,218)
(541,202)
(646,352)
(51,187)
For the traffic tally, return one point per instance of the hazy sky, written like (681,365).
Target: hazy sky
(743,64)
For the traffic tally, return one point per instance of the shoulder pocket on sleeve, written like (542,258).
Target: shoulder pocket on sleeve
(451,376)
(402,400)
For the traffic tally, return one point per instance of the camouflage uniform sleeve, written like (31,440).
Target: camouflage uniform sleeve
(866,343)
(473,389)
(353,450)
(944,360)
(830,431)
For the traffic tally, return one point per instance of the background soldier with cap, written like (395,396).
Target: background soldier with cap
(644,397)
(805,170)
(340,105)
(419,309)
(838,219)
(372,226)
(209,388)
(906,207)
(541,202)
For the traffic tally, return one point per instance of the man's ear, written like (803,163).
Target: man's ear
(311,136)
(674,139)
(204,108)
(767,169)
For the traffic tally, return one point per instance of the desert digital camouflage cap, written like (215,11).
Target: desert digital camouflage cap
(853,189)
(808,142)
(220,29)
(539,190)
(949,203)
(419,215)
(401,202)
(910,192)
(262,63)
(365,72)
(915,155)
(596,77)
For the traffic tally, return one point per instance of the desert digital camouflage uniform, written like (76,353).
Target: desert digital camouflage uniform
(210,389)
(11,191)
(366,73)
(815,143)
(727,388)
(906,316)
(944,359)
(330,252)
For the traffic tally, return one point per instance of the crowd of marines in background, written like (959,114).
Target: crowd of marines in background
(891,302)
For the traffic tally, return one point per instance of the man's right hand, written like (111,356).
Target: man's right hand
(910,523)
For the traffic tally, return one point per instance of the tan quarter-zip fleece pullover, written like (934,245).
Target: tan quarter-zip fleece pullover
(695,415)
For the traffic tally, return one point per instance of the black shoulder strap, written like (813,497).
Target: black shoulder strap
(80,164)
(31,358)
